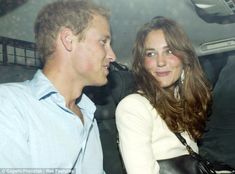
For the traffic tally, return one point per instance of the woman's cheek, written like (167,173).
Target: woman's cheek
(149,63)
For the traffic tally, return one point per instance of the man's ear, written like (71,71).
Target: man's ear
(66,38)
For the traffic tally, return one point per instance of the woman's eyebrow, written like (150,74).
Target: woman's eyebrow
(150,49)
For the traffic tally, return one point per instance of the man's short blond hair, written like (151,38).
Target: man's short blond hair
(73,14)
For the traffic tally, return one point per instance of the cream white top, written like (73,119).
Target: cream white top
(144,136)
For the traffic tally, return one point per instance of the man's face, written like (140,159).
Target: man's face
(93,54)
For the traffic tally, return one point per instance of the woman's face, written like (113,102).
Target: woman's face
(159,60)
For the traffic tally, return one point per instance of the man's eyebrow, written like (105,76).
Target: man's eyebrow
(107,37)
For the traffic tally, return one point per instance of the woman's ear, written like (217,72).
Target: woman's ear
(182,76)
(66,37)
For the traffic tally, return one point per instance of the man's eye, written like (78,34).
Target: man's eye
(103,42)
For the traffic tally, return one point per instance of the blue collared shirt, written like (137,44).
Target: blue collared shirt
(38,131)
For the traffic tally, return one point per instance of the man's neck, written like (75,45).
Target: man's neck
(68,87)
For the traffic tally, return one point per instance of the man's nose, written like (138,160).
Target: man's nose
(111,55)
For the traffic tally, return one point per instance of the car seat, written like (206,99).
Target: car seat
(106,98)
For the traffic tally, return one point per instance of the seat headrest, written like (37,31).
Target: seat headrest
(121,83)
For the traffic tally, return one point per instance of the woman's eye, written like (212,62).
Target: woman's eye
(169,52)
(150,54)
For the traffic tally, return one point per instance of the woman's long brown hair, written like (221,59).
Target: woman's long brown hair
(190,112)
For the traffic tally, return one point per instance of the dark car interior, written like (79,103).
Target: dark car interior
(211,27)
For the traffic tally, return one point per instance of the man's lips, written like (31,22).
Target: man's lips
(106,68)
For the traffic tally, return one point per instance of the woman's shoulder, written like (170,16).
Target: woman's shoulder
(134,98)
(136,104)
(134,110)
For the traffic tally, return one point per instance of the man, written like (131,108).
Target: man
(217,142)
(48,122)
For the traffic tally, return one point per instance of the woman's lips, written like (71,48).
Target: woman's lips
(163,73)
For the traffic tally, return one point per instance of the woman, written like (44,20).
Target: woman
(172,95)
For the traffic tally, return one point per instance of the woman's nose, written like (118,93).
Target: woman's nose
(161,61)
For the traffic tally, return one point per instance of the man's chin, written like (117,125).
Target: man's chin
(101,82)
